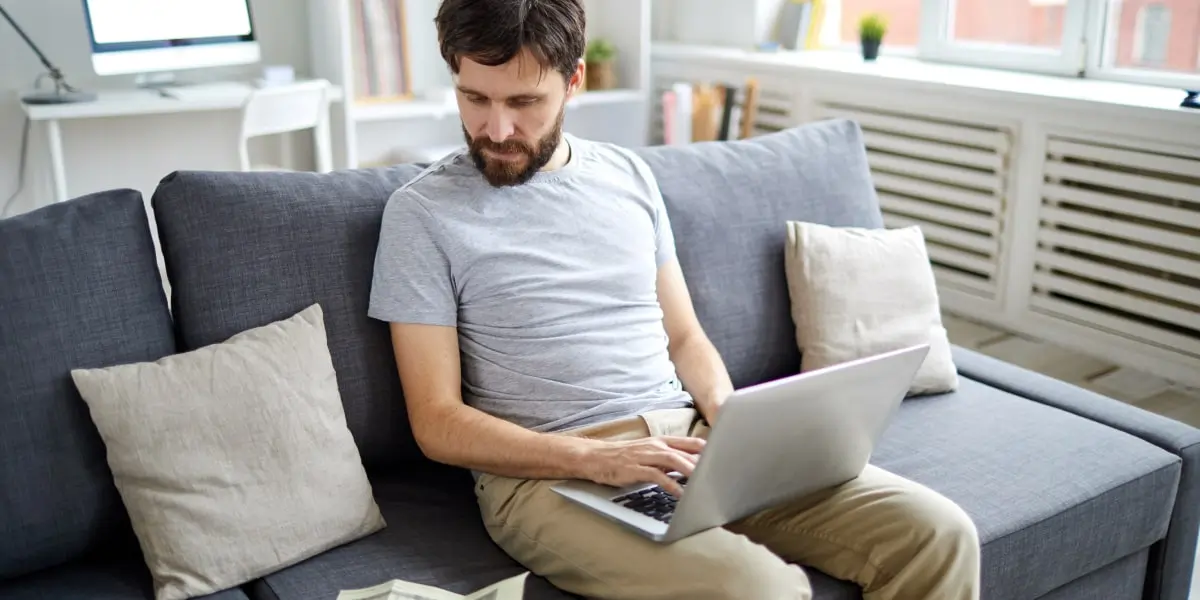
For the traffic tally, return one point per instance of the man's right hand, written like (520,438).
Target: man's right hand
(646,460)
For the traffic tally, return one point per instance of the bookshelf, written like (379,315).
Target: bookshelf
(399,98)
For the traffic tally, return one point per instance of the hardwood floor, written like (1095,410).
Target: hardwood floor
(1144,390)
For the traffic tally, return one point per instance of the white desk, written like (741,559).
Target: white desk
(125,103)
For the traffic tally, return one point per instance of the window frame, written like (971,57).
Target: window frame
(937,43)
(1081,55)
(1100,37)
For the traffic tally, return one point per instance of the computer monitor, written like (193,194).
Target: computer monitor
(157,36)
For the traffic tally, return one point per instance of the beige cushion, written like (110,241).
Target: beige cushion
(233,460)
(857,292)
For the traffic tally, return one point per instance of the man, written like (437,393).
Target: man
(543,331)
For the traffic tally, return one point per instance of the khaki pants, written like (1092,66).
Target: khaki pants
(894,538)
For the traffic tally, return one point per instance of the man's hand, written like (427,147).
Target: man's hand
(643,460)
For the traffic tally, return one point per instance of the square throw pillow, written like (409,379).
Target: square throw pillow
(233,460)
(856,292)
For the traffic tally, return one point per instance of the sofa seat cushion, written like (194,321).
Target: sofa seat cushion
(127,579)
(1053,495)
(434,537)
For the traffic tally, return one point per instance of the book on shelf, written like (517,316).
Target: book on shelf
(702,112)
(799,24)
(512,588)
(380,59)
(677,114)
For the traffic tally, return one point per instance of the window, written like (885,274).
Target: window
(1036,23)
(1146,41)
(1029,35)
(1150,35)
(1141,41)
(1152,41)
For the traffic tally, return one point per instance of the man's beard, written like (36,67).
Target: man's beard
(508,173)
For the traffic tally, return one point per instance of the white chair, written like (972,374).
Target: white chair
(284,108)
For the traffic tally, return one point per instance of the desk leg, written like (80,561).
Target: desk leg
(287,152)
(323,145)
(57,167)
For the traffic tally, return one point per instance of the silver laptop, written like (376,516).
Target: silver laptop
(772,442)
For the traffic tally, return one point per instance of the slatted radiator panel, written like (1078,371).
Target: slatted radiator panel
(774,112)
(659,83)
(948,177)
(1119,241)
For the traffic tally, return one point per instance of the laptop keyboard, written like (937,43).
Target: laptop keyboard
(654,502)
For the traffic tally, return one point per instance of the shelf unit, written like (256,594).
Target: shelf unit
(431,109)
(373,132)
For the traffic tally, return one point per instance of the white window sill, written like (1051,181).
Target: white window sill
(908,69)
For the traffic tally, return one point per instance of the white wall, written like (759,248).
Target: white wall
(124,152)
(738,23)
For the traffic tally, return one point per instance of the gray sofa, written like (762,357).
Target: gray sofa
(1075,495)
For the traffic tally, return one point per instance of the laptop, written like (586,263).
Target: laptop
(773,442)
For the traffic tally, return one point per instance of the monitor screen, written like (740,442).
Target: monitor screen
(142,23)
(136,36)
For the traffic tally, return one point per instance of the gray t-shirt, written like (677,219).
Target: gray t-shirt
(551,284)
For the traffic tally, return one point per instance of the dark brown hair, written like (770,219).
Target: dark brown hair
(492,32)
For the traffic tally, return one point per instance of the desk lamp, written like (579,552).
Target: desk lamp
(63,92)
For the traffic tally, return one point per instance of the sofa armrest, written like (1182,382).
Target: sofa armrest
(1168,576)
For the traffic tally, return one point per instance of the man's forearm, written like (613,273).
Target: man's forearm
(469,438)
(702,372)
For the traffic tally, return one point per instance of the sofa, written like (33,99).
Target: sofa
(1075,495)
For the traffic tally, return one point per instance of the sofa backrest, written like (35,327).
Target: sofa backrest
(79,288)
(728,203)
(246,249)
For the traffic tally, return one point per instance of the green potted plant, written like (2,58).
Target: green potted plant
(600,59)
(871,29)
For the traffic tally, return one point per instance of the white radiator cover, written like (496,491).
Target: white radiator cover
(1075,224)
(950,178)
(1118,244)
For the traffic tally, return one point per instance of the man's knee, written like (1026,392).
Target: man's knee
(956,527)
(947,527)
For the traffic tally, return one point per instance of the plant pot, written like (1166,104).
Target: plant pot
(870,49)
(601,75)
